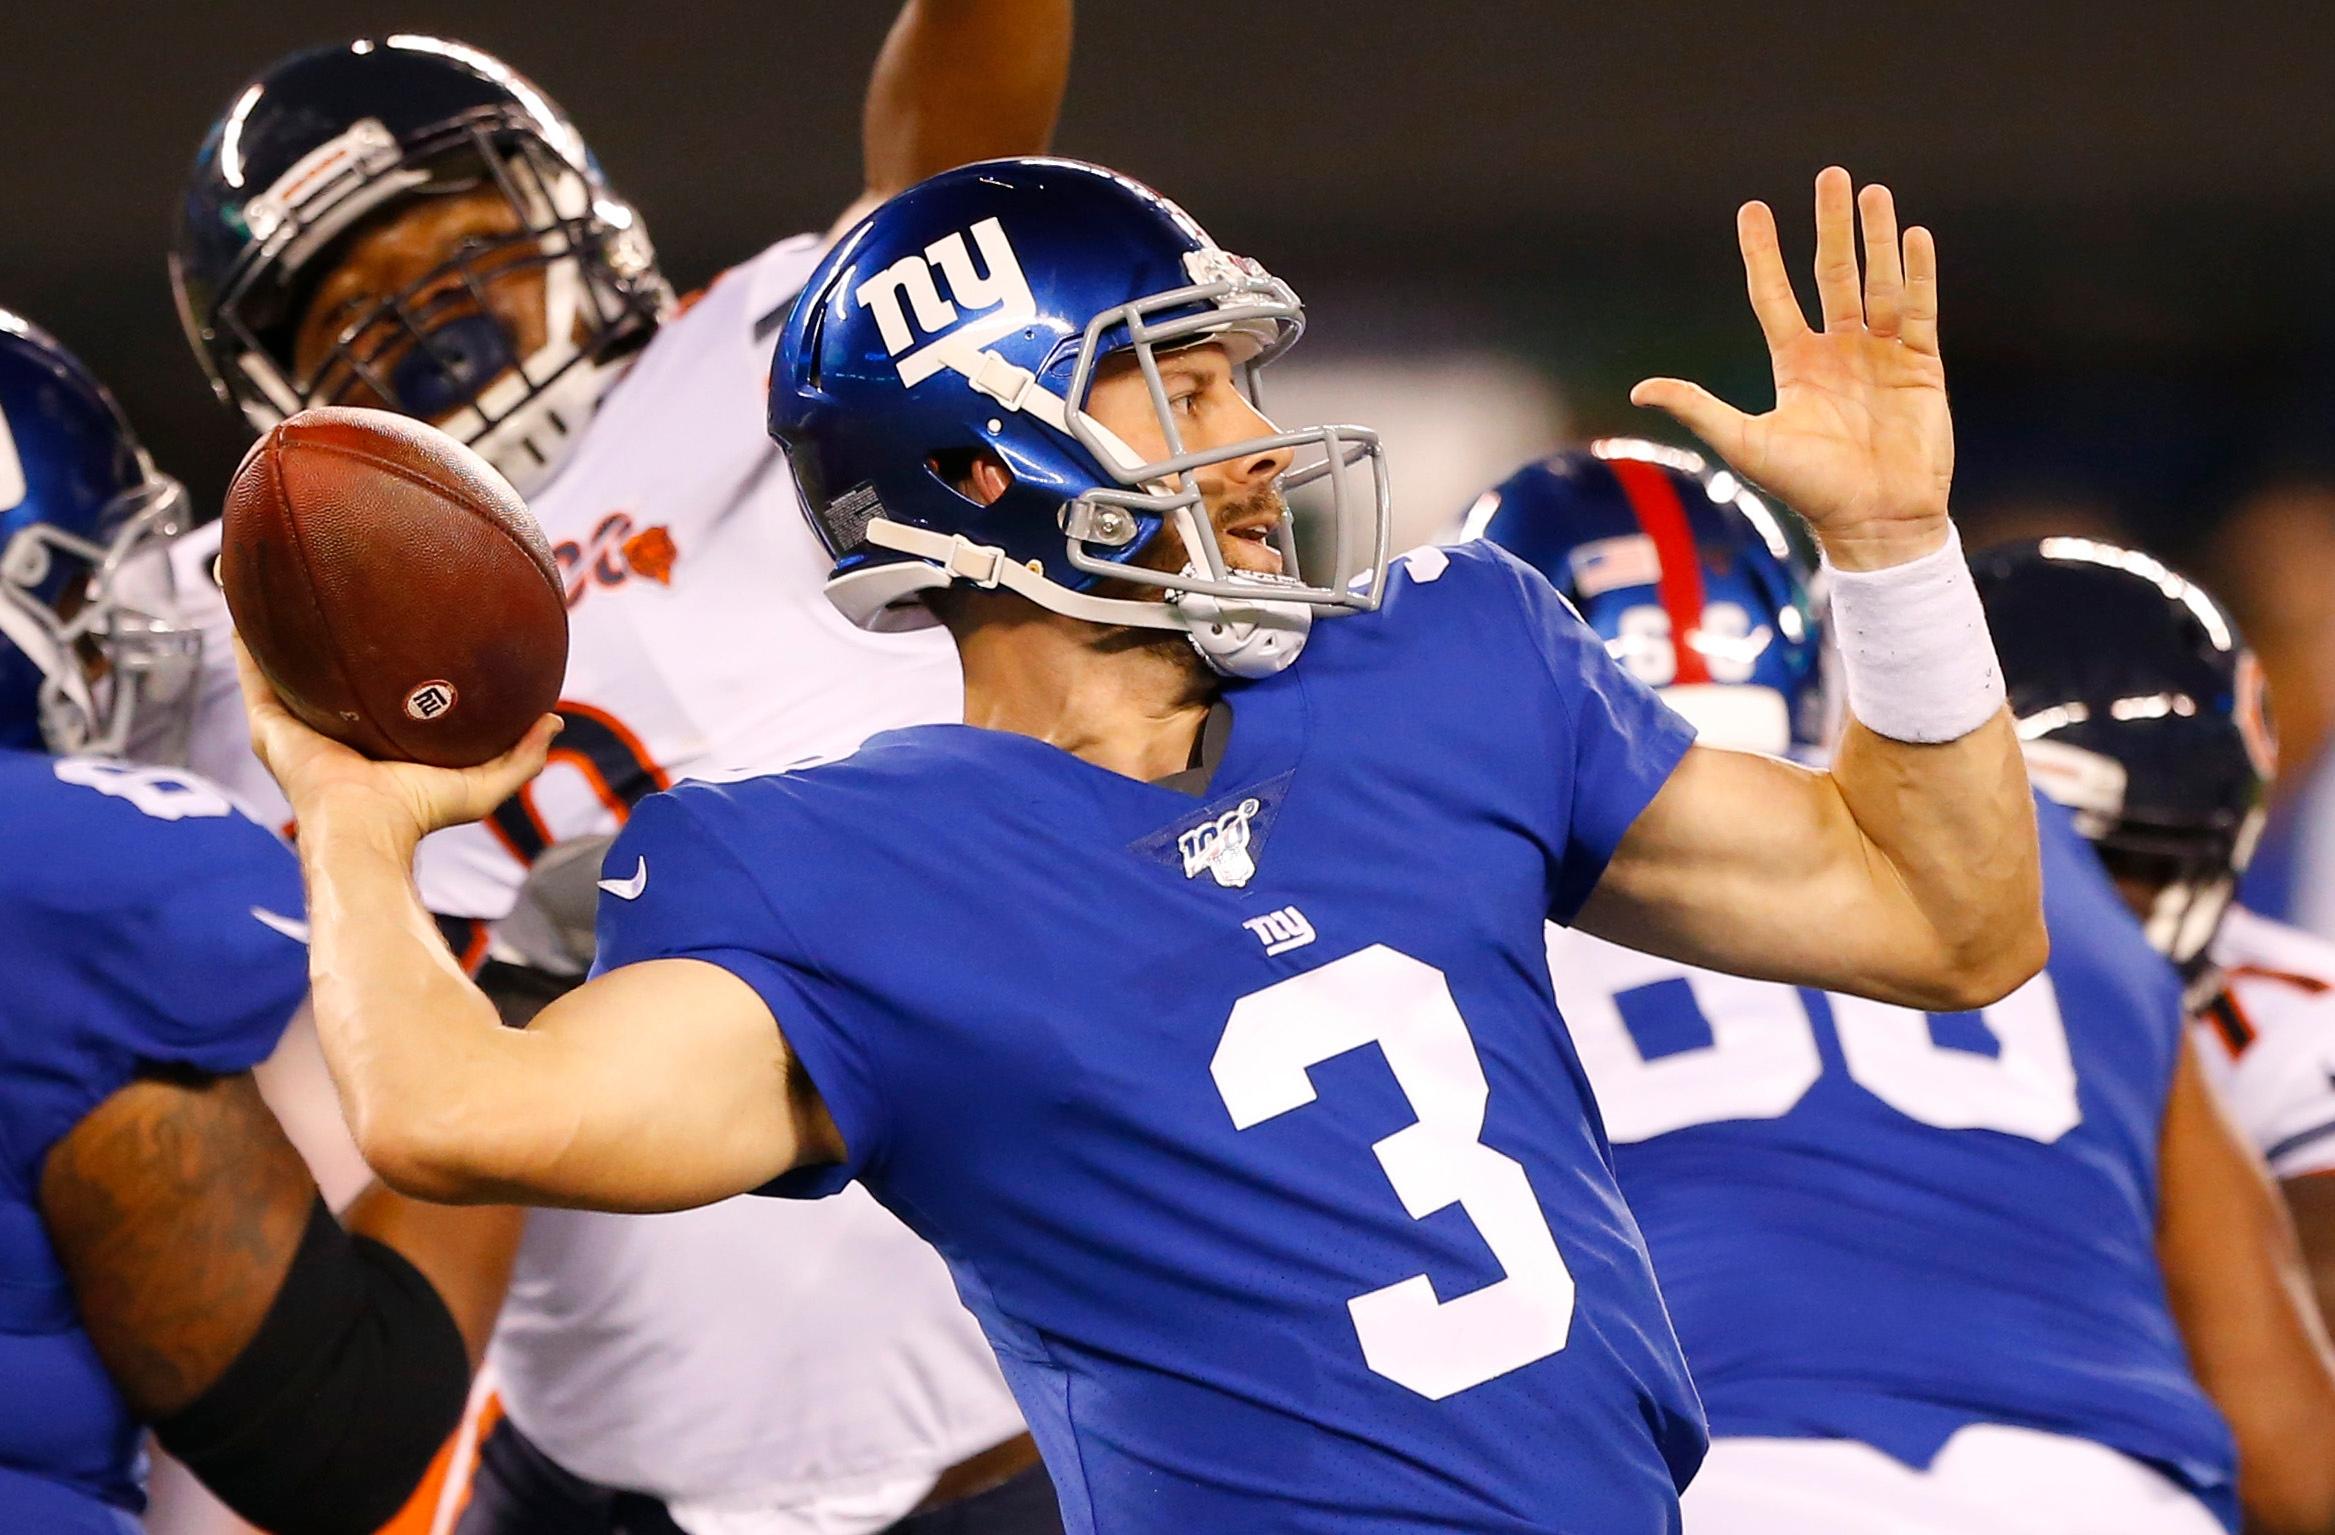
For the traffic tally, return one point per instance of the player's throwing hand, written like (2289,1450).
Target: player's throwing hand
(412,799)
(1860,441)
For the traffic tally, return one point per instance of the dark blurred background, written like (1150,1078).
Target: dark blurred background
(1501,213)
(2135,203)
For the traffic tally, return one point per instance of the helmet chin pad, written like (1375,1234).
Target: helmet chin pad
(1244,639)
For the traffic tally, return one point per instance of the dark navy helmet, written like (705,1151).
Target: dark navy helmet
(506,340)
(969,316)
(2141,710)
(1692,581)
(86,663)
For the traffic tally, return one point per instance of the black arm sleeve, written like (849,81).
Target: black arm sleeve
(326,1421)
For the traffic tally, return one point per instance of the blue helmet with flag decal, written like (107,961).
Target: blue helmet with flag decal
(87,664)
(969,316)
(1692,581)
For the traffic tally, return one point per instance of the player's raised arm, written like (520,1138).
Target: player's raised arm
(1909,871)
(604,1101)
(958,81)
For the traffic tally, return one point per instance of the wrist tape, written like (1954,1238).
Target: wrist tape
(1914,647)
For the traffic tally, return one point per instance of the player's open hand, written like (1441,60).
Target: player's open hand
(409,799)
(1859,442)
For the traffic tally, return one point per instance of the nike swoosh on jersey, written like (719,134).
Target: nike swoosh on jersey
(629,889)
(291,927)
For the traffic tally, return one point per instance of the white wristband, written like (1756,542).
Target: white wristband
(1914,647)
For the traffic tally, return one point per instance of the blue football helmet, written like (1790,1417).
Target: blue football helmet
(86,662)
(1692,581)
(969,315)
(329,141)
(2141,710)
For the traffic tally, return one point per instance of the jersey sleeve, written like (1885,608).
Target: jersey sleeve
(146,943)
(676,885)
(1620,742)
(2281,1086)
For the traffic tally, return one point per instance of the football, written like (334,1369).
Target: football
(393,588)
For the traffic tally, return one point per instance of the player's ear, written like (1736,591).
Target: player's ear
(978,475)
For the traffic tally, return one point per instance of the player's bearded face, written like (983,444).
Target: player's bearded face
(488,312)
(1243,495)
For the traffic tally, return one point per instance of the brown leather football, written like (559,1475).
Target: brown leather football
(393,587)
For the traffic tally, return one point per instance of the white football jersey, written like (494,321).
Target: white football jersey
(2268,1040)
(758,1352)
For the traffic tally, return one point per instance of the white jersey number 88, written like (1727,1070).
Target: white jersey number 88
(1762,1058)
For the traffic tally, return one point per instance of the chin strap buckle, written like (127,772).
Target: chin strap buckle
(977,563)
(1006,383)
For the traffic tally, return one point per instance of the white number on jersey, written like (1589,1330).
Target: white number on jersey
(1378,996)
(158,792)
(1647,651)
(1762,1058)
(2028,1088)
(1760,1062)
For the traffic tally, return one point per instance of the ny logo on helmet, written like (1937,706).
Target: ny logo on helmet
(908,287)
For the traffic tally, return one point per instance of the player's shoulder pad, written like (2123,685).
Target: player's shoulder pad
(743,307)
(749,856)
(2251,942)
(1467,565)
(693,869)
(144,921)
(124,828)
(773,279)
(1434,582)
(1474,609)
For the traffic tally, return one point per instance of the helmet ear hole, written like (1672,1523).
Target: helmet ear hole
(976,474)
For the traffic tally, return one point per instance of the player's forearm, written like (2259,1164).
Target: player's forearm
(1952,828)
(964,80)
(2310,1202)
(416,1050)
(2234,1277)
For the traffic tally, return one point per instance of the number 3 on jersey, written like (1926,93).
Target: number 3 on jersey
(1377,996)
(1762,1058)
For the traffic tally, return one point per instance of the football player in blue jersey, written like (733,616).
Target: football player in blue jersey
(1914,1260)
(1190,996)
(165,1259)
(2143,714)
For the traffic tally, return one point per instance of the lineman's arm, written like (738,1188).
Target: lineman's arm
(2236,1281)
(2310,1200)
(958,81)
(1909,872)
(234,1315)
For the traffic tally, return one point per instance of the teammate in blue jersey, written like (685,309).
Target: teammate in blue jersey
(164,1257)
(1914,1260)
(1190,996)
(2144,717)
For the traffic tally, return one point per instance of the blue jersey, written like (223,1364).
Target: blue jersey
(1877,1225)
(143,924)
(1245,1120)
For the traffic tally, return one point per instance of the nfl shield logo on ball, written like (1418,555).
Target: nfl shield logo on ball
(1221,847)
(430,700)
